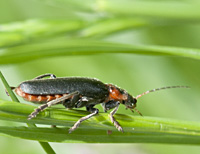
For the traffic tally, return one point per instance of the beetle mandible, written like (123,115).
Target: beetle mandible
(77,92)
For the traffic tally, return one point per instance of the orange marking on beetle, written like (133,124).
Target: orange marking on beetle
(58,96)
(33,97)
(36,98)
(19,92)
(39,98)
(42,98)
(49,97)
(30,98)
(115,94)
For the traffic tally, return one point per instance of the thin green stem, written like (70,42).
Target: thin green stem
(8,89)
(47,148)
(45,145)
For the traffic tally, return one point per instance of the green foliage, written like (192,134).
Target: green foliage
(138,45)
(31,46)
(63,47)
(137,129)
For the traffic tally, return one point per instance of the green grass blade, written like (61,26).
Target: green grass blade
(65,47)
(21,32)
(137,129)
(173,10)
(25,32)
(166,9)
(112,25)
(8,89)
(95,135)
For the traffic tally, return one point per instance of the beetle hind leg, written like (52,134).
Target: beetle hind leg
(93,111)
(50,103)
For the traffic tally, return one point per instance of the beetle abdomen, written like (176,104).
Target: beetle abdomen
(37,98)
(85,86)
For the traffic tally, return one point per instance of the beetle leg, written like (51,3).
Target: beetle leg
(115,122)
(50,103)
(109,105)
(93,111)
(52,76)
(72,102)
(81,103)
(104,107)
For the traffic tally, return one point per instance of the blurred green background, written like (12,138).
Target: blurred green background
(134,72)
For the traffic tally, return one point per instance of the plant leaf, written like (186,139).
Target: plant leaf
(17,33)
(137,129)
(163,9)
(60,47)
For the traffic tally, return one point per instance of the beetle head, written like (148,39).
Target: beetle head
(130,103)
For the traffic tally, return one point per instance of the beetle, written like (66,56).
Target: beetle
(77,92)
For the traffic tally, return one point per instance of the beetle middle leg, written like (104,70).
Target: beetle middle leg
(93,111)
(50,103)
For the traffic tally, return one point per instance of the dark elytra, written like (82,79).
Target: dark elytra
(85,86)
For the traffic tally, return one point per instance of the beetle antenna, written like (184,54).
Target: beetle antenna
(138,111)
(157,89)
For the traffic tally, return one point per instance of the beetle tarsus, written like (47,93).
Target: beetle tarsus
(76,125)
(37,110)
(116,124)
(31,116)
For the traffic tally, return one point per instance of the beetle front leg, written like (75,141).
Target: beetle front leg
(113,120)
(93,111)
(50,103)
(52,76)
